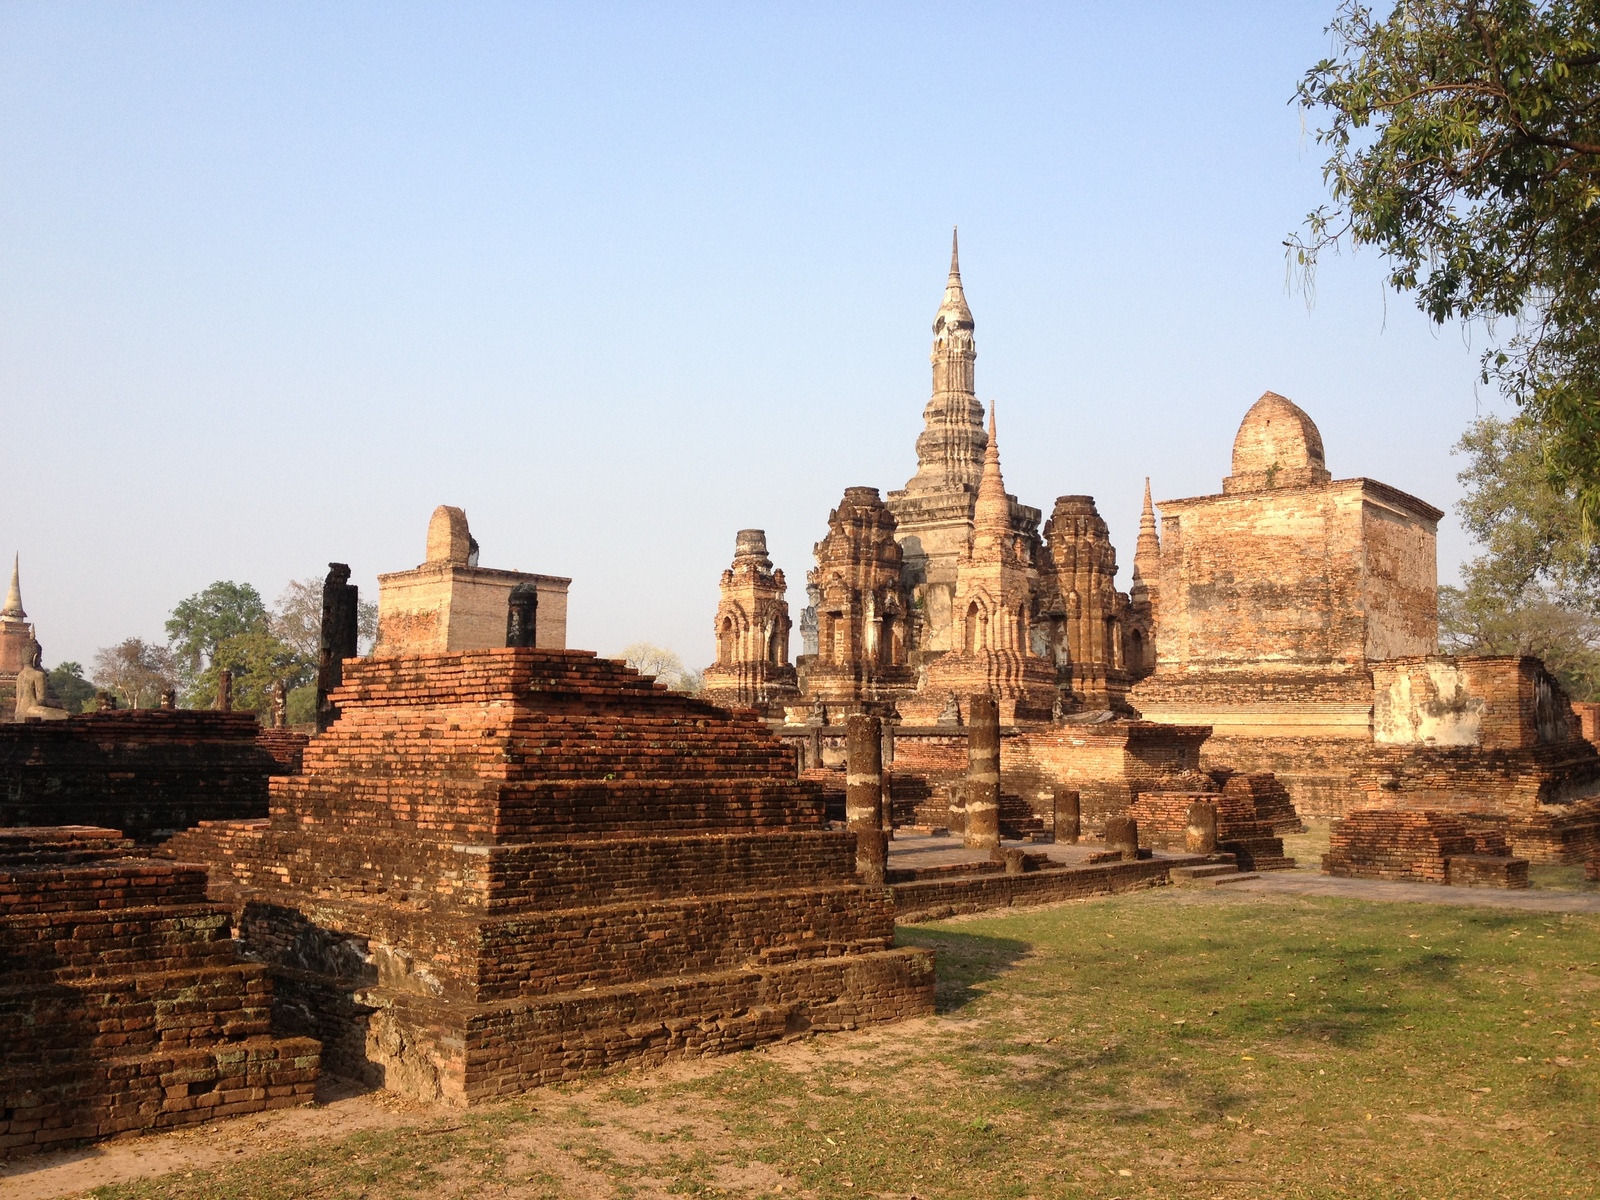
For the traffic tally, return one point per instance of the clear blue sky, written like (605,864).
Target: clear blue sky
(276,279)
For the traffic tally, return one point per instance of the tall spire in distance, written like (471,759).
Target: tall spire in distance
(953,312)
(1147,553)
(950,449)
(13,609)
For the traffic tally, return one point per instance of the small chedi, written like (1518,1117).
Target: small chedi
(128,1005)
(24,686)
(752,668)
(506,865)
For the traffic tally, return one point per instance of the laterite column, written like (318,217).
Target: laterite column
(863,795)
(983,772)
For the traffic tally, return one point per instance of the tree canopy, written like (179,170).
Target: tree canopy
(205,620)
(1535,588)
(1464,144)
(137,672)
(70,687)
(665,665)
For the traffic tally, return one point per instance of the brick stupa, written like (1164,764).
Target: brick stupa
(507,867)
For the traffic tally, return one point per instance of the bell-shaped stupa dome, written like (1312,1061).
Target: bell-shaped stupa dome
(1277,445)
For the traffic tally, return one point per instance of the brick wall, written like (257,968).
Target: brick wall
(147,772)
(126,1004)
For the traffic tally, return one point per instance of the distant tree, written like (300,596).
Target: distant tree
(1464,145)
(1535,589)
(137,672)
(70,687)
(302,706)
(1529,530)
(665,665)
(258,660)
(207,619)
(297,618)
(1478,620)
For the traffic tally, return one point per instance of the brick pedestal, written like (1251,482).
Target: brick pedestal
(503,868)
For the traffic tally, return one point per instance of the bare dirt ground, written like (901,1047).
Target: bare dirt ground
(630,1122)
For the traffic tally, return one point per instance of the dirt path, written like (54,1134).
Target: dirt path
(340,1111)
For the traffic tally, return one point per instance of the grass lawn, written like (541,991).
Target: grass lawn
(1160,1044)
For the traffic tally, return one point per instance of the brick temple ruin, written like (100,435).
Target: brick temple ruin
(147,772)
(128,1005)
(1286,626)
(504,866)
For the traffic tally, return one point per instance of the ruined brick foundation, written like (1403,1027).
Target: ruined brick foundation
(505,868)
(1421,847)
(145,772)
(125,1004)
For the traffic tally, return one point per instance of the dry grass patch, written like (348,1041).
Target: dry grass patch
(1151,1045)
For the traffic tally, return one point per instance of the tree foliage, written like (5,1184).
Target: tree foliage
(229,627)
(200,624)
(70,687)
(1464,144)
(1535,589)
(665,665)
(137,672)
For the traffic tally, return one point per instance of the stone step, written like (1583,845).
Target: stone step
(1209,875)
(1204,872)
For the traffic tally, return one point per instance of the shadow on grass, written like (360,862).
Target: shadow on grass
(963,960)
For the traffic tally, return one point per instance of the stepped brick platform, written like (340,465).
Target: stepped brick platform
(1249,808)
(1269,799)
(1421,847)
(147,772)
(286,747)
(504,868)
(124,1001)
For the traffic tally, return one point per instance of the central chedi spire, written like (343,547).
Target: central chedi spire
(934,512)
(950,450)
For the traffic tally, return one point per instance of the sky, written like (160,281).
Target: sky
(620,280)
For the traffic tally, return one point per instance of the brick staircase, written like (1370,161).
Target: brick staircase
(1421,847)
(125,1002)
(503,868)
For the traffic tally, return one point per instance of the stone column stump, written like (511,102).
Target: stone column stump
(863,795)
(983,773)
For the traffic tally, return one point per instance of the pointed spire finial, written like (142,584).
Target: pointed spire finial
(955,251)
(1149,509)
(13,609)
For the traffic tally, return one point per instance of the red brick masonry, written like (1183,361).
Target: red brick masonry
(1421,847)
(146,772)
(124,1002)
(504,868)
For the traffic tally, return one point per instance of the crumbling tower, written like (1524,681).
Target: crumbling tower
(934,511)
(862,612)
(752,629)
(1087,617)
(993,622)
